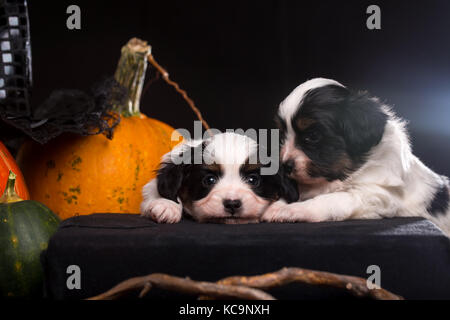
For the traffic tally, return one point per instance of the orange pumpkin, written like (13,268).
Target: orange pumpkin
(76,175)
(7,163)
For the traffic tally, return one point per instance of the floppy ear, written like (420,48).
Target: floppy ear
(362,123)
(169,180)
(170,175)
(288,187)
(289,190)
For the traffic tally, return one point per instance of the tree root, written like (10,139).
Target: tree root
(246,288)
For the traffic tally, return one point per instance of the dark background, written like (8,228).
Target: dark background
(239,59)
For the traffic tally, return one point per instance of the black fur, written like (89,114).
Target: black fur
(440,202)
(288,186)
(193,188)
(341,128)
(184,181)
(170,177)
(272,187)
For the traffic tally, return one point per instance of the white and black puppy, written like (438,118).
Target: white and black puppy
(222,185)
(352,159)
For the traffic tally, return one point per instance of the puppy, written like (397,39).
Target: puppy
(224,186)
(352,159)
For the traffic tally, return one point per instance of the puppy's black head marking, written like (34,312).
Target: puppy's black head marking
(172,177)
(188,182)
(270,187)
(336,128)
(198,181)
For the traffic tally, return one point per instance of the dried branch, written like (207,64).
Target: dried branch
(189,101)
(247,288)
(354,285)
(188,286)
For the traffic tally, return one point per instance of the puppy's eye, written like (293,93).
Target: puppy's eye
(311,137)
(253,179)
(209,180)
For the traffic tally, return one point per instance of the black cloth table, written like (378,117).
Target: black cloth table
(412,253)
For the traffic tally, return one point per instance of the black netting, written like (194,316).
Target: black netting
(65,110)
(77,112)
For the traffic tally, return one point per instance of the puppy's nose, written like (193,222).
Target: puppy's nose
(232,206)
(289,166)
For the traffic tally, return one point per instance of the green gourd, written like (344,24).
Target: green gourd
(25,229)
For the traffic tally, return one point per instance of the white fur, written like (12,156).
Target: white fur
(292,102)
(230,151)
(392,182)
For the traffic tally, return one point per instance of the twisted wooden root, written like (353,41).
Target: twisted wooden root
(183,285)
(246,288)
(354,285)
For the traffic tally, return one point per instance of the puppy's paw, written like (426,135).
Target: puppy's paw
(162,210)
(272,213)
(294,212)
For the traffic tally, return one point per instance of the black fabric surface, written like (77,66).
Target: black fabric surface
(413,254)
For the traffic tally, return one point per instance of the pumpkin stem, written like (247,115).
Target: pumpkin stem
(130,73)
(10,194)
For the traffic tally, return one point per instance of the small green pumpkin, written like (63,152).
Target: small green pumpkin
(25,229)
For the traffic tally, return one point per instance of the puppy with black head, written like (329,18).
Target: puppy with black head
(215,180)
(351,158)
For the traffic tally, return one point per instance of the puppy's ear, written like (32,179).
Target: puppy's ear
(288,189)
(170,177)
(362,122)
